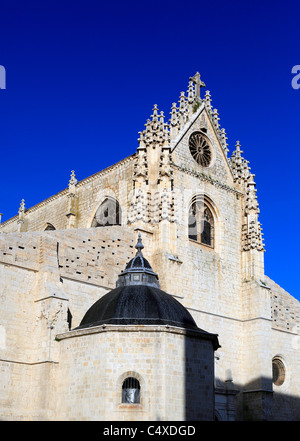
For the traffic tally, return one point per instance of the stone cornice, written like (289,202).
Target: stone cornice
(106,170)
(206,178)
(197,333)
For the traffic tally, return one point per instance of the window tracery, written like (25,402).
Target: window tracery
(201,223)
(108,213)
(200,149)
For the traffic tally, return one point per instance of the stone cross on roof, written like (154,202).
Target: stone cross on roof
(198,83)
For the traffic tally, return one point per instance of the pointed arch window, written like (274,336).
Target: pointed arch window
(108,213)
(49,227)
(201,223)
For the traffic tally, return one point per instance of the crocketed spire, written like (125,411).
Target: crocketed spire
(156,131)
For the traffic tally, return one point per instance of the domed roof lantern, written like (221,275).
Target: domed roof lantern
(138,270)
(138,300)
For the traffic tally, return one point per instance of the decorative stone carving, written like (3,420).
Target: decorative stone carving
(166,206)
(252,236)
(207,101)
(22,208)
(251,205)
(21,215)
(158,136)
(200,149)
(165,168)
(239,165)
(138,210)
(156,132)
(140,173)
(224,141)
(196,79)
(72,182)
(71,213)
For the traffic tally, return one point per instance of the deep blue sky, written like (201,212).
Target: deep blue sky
(83,76)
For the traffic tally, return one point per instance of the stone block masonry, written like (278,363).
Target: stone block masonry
(174,367)
(42,274)
(86,261)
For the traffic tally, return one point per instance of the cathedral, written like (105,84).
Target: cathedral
(139,293)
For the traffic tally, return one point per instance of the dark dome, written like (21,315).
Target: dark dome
(138,262)
(138,305)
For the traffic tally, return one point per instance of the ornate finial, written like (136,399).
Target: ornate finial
(183,115)
(191,92)
(224,141)
(216,118)
(156,131)
(182,102)
(21,215)
(161,121)
(207,101)
(238,163)
(73,180)
(154,115)
(238,148)
(139,246)
(174,116)
(22,206)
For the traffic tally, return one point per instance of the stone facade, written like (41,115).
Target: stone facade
(158,357)
(54,265)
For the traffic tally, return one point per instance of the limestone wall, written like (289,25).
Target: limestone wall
(285,309)
(174,368)
(42,276)
(285,340)
(93,257)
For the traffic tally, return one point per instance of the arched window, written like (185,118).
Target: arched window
(108,213)
(131,391)
(278,371)
(201,223)
(49,227)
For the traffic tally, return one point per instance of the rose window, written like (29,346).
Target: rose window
(200,149)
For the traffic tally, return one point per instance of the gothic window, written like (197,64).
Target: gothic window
(278,371)
(201,223)
(108,213)
(49,227)
(131,391)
